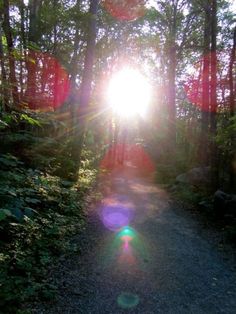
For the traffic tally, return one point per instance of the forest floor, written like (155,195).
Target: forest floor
(166,261)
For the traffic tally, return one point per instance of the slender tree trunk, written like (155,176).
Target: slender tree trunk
(55,30)
(55,85)
(232,86)
(172,83)
(73,64)
(116,142)
(80,114)
(4,93)
(72,103)
(213,99)
(23,46)
(172,96)
(22,24)
(111,141)
(10,46)
(34,6)
(30,94)
(204,137)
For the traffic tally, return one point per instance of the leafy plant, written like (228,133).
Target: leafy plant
(4,213)
(30,120)
(39,212)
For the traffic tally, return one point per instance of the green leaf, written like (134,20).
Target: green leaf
(17,54)
(32,200)
(12,193)
(4,213)
(66,183)
(3,124)
(29,212)
(8,162)
(33,46)
(17,213)
(30,120)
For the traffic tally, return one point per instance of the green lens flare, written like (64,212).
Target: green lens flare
(127,300)
(126,231)
(126,246)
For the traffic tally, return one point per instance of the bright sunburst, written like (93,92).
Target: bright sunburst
(129,93)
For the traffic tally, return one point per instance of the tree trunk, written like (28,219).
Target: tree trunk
(171,73)
(55,29)
(80,114)
(213,99)
(232,87)
(23,46)
(171,98)
(72,103)
(4,94)
(10,46)
(30,94)
(231,76)
(204,136)
(34,6)
(22,24)
(73,64)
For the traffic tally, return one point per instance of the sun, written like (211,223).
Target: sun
(129,93)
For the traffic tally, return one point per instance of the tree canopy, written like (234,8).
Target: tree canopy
(58,127)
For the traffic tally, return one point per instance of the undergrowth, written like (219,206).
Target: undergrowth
(40,209)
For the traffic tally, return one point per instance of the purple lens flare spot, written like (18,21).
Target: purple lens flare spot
(116,216)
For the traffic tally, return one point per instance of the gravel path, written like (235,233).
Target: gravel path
(164,262)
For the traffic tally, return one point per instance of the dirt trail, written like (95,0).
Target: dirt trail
(163,262)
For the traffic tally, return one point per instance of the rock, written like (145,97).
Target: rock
(182,178)
(224,204)
(172,188)
(230,205)
(195,176)
(206,205)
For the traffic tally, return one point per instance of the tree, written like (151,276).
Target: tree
(30,93)
(213,97)
(232,88)
(4,93)
(10,46)
(205,102)
(81,112)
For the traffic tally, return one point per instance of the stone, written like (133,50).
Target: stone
(224,203)
(195,176)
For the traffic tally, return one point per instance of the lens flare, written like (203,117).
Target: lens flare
(126,240)
(126,254)
(200,79)
(128,154)
(127,10)
(48,82)
(127,300)
(116,216)
(126,235)
(126,232)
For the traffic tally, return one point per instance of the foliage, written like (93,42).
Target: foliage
(39,211)
(189,195)
(41,203)
(226,137)
(165,173)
